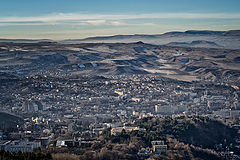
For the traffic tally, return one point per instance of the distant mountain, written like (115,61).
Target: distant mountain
(232,33)
(204,38)
(200,43)
(189,32)
(206,32)
(116,37)
(25,40)
(200,38)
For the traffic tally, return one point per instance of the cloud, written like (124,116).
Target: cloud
(95,22)
(118,23)
(107,19)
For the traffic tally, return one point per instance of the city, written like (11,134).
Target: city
(120,80)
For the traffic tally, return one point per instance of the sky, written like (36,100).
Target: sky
(77,19)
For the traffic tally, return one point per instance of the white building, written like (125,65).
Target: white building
(158,147)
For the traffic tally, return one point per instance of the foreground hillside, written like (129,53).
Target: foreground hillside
(179,134)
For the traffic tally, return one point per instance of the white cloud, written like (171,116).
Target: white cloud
(118,23)
(96,22)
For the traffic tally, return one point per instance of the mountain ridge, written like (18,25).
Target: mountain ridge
(201,32)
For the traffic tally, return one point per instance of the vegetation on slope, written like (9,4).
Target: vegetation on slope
(8,121)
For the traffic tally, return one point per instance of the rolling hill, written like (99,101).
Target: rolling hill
(106,59)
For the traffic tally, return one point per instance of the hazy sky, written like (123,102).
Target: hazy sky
(64,19)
